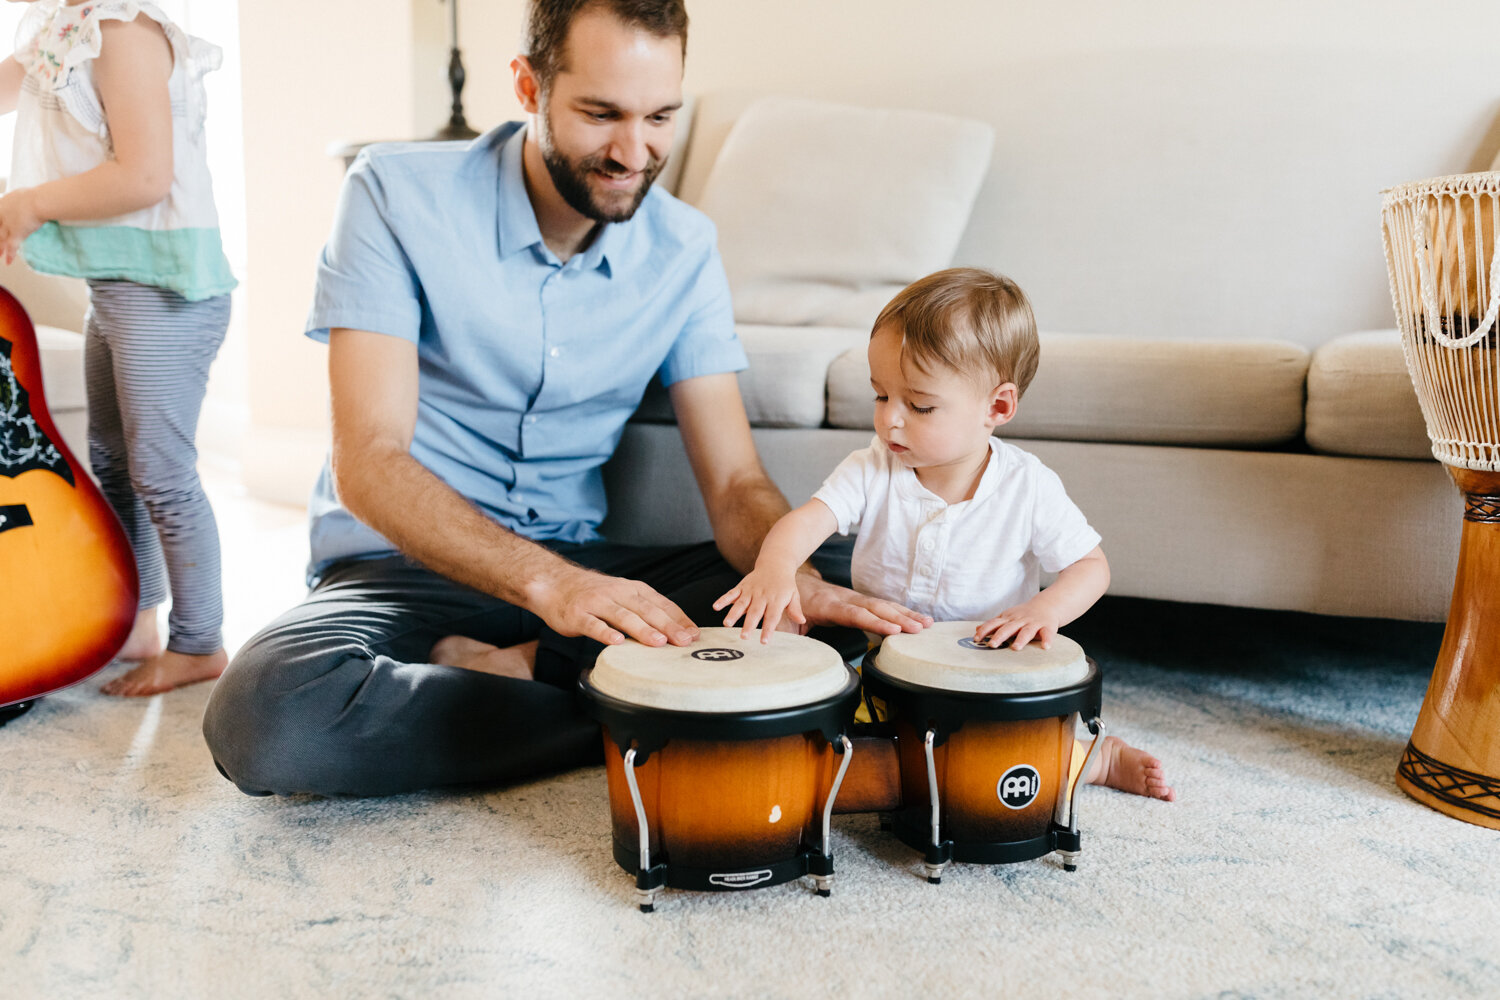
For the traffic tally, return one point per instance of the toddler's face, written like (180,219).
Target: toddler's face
(928,419)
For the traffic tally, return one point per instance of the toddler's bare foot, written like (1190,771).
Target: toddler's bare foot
(144,641)
(1122,766)
(165,671)
(471,654)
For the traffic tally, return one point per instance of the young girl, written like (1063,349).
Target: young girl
(110,183)
(953,523)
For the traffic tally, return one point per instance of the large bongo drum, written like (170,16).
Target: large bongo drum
(1445,285)
(723,758)
(985,739)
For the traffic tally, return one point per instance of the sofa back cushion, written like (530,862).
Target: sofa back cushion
(825,211)
(1360,399)
(1219,393)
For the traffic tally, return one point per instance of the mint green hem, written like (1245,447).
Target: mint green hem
(189,262)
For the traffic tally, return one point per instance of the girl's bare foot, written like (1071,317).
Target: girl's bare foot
(165,671)
(471,654)
(145,639)
(1122,766)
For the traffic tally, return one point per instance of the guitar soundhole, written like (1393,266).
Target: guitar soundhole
(23,446)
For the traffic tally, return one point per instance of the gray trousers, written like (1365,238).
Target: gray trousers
(335,697)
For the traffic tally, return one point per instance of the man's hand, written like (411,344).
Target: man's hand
(763,594)
(18,220)
(577,601)
(827,603)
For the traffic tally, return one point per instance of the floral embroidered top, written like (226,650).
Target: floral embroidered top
(61,131)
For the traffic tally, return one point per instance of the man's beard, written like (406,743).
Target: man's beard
(571,178)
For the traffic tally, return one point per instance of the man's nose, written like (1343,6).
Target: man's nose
(627,146)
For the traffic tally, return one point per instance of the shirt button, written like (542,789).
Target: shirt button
(924,570)
(926,545)
(531,420)
(556,352)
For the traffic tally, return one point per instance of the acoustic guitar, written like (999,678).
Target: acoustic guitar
(68,585)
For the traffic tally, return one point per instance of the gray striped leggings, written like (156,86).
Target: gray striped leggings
(146,358)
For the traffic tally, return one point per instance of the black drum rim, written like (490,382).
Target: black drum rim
(648,728)
(919,701)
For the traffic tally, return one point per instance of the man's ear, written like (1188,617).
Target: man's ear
(528,87)
(1003,403)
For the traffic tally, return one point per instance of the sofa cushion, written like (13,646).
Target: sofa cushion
(786,384)
(62,368)
(1223,393)
(1360,399)
(825,211)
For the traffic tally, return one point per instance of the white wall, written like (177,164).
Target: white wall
(1164,167)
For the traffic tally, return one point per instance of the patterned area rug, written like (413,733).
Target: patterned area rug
(1290,866)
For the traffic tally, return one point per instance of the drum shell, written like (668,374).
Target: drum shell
(723,804)
(971,765)
(977,739)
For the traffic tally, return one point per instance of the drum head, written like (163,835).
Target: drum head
(721,673)
(944,656)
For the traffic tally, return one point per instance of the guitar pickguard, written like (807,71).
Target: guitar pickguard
(23,445)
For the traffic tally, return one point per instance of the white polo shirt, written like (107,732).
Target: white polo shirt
(964,561)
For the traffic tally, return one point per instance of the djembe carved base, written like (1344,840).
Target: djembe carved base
(1452,762)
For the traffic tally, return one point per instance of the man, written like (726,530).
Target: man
(494,313)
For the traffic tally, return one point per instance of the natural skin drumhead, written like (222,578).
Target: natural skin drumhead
(721,673)
(944,656)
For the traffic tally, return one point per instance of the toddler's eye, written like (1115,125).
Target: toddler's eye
(880,399)
(923,409)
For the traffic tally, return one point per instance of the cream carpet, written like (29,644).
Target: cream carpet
(1291,866)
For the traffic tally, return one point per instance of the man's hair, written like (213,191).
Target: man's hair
(548,22)
(972,321)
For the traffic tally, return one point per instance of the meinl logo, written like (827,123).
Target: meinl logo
(1018,787)
(740,880)
(717,653)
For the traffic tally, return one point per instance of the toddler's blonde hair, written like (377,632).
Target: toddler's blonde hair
(970,320)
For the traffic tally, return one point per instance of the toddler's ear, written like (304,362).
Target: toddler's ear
(1003,403)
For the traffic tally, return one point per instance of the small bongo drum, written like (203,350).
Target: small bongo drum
(723,758)
(985,742)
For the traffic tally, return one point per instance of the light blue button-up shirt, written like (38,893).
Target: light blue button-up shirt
(528,366)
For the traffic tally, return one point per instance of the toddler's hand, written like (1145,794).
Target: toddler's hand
(762,594)
(18,220)
(1020,624)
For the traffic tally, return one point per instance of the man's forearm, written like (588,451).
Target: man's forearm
(743,516)
(429,521)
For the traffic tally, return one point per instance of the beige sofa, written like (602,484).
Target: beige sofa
(1239,470)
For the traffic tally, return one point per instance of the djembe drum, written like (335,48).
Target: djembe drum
(1445,284)
(723,758)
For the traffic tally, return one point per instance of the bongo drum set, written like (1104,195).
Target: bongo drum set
(727,759)
(1445,286)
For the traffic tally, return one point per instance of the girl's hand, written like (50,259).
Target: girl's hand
(1034,620)
(763,594)
(18,220)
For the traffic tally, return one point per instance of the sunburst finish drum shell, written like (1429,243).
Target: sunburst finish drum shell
(1000,718)
(730,792)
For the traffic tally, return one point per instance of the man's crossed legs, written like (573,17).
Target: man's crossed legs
(338,696)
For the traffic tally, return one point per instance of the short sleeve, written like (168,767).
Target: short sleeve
(846,490)
(365,280)
(1061,535)
(707,344)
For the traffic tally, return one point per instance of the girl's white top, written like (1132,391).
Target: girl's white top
(61,131)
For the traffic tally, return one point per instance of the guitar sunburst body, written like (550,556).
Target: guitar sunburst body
(68,586)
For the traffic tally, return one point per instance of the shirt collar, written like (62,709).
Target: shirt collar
(517,228)
(911,488)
